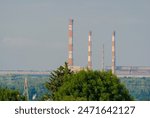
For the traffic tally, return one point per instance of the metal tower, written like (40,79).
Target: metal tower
(26,94)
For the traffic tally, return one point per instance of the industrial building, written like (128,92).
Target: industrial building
(121,71)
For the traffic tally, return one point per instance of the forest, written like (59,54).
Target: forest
(139,88)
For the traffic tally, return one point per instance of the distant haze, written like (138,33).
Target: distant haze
(34,33)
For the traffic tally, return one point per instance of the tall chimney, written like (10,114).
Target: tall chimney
(113,53)
(70,45)
(89,51)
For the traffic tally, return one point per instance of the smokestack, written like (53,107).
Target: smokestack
(113,53)
(70,45)
(89,51)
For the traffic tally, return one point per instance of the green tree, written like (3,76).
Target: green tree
(10,95)
(88,85)
(56,80)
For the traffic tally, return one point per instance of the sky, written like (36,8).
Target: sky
(34,33)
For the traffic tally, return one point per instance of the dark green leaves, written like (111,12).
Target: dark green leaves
(87,85)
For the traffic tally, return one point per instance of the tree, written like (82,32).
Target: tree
(56,79)
(88,85)
(10,95)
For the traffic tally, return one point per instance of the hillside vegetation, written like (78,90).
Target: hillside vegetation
(139,88)
(36,84)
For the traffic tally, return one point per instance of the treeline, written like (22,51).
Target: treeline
(63,84)
(138,87)
(10,95)
(36,84)
(86,85)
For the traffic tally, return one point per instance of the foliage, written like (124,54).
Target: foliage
(86,85)
(10,95)
(57,78)
(139,88)
(36,84)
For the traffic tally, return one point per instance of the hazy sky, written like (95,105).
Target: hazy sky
(34,33)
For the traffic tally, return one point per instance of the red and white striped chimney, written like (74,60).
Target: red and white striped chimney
(89,50)
(113,53)
(70,45)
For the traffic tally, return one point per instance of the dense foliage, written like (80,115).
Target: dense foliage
(86,85)
(10,95)
(56,80)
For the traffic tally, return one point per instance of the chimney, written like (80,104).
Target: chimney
(70,45)
(89,50)
(113,53)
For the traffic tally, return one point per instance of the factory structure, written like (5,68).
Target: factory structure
(120,71)
(70,49)
(89,58)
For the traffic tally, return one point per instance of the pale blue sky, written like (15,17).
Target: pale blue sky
(34,33)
